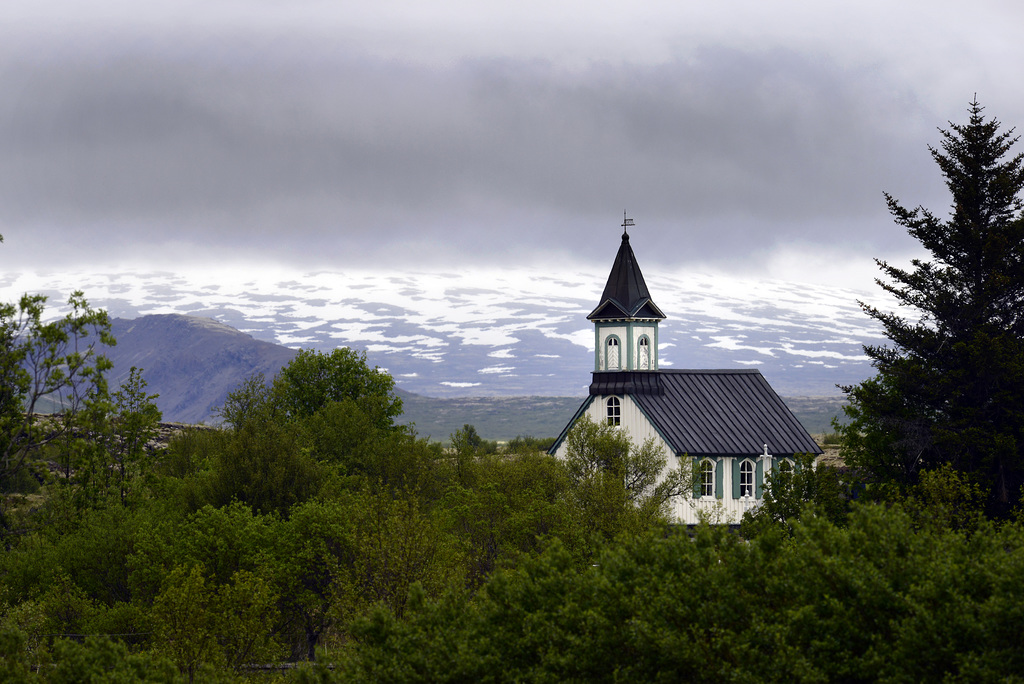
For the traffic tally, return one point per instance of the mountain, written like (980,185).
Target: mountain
(511,332)
(191,362)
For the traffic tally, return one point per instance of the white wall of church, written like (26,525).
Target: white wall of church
(686,509)
(724,511)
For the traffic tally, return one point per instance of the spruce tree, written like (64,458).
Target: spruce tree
(950,386)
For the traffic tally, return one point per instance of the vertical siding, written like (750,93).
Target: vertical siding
(685,510)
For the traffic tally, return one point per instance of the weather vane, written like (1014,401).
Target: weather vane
(626,222)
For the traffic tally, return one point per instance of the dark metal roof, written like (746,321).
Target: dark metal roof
(708,412)
(625,294)
(723,412)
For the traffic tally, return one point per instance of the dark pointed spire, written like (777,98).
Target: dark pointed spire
(625,294)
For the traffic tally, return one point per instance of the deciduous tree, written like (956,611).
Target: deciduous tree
(135,424)
(313,379)
(618,486)
(47,367)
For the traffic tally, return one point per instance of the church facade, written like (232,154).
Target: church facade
(729,423)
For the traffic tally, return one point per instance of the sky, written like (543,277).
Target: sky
(743,137)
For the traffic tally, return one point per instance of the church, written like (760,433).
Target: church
(730,423)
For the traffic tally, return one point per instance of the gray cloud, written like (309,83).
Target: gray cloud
(312,153)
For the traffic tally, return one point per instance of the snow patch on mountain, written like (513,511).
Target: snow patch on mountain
(441,334)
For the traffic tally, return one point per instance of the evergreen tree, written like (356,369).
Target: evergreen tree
(950,386)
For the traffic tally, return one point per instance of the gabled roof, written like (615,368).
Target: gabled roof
(625,295)
(708,412)
(723,412)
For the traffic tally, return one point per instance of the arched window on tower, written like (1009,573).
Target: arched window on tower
(612,357)
(643,354)
(614,411)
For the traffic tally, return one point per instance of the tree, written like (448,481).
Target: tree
(311,382)
(100,659)
(265,467)
(877,599)
(618,486)
(313,379)
(44,367)
(135,425)
(467,446)
(505,507)
(789,491)
(950,387)
(331,409)
(202,624)
(249,402)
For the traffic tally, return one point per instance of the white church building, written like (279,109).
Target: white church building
(731,423)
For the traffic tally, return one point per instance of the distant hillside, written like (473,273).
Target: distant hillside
(502,418)
(191,362)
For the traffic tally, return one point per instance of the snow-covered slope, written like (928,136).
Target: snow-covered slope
(499,332)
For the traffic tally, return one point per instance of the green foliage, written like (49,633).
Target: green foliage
(832,438)
(469,440)
(788,492)
(311,383)
(878,600)
(187,621)
(264,466)
(950,388)
(618,486)
(248,403)
(92,555)
(16,666)
(135,424)
(316,547)
(48,366)
(312,380)
(200,623)
(190,452)
(466,447)
(223,540)
(335,559)
(323,415)
(513,504)
(100,659)
(946,499)
(342,437)
(105,454)
(521,444)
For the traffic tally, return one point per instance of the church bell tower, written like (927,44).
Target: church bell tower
(626,319)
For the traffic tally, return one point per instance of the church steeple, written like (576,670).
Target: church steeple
(625,294)
(626,318)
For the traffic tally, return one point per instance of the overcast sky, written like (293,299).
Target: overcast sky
(750,137)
